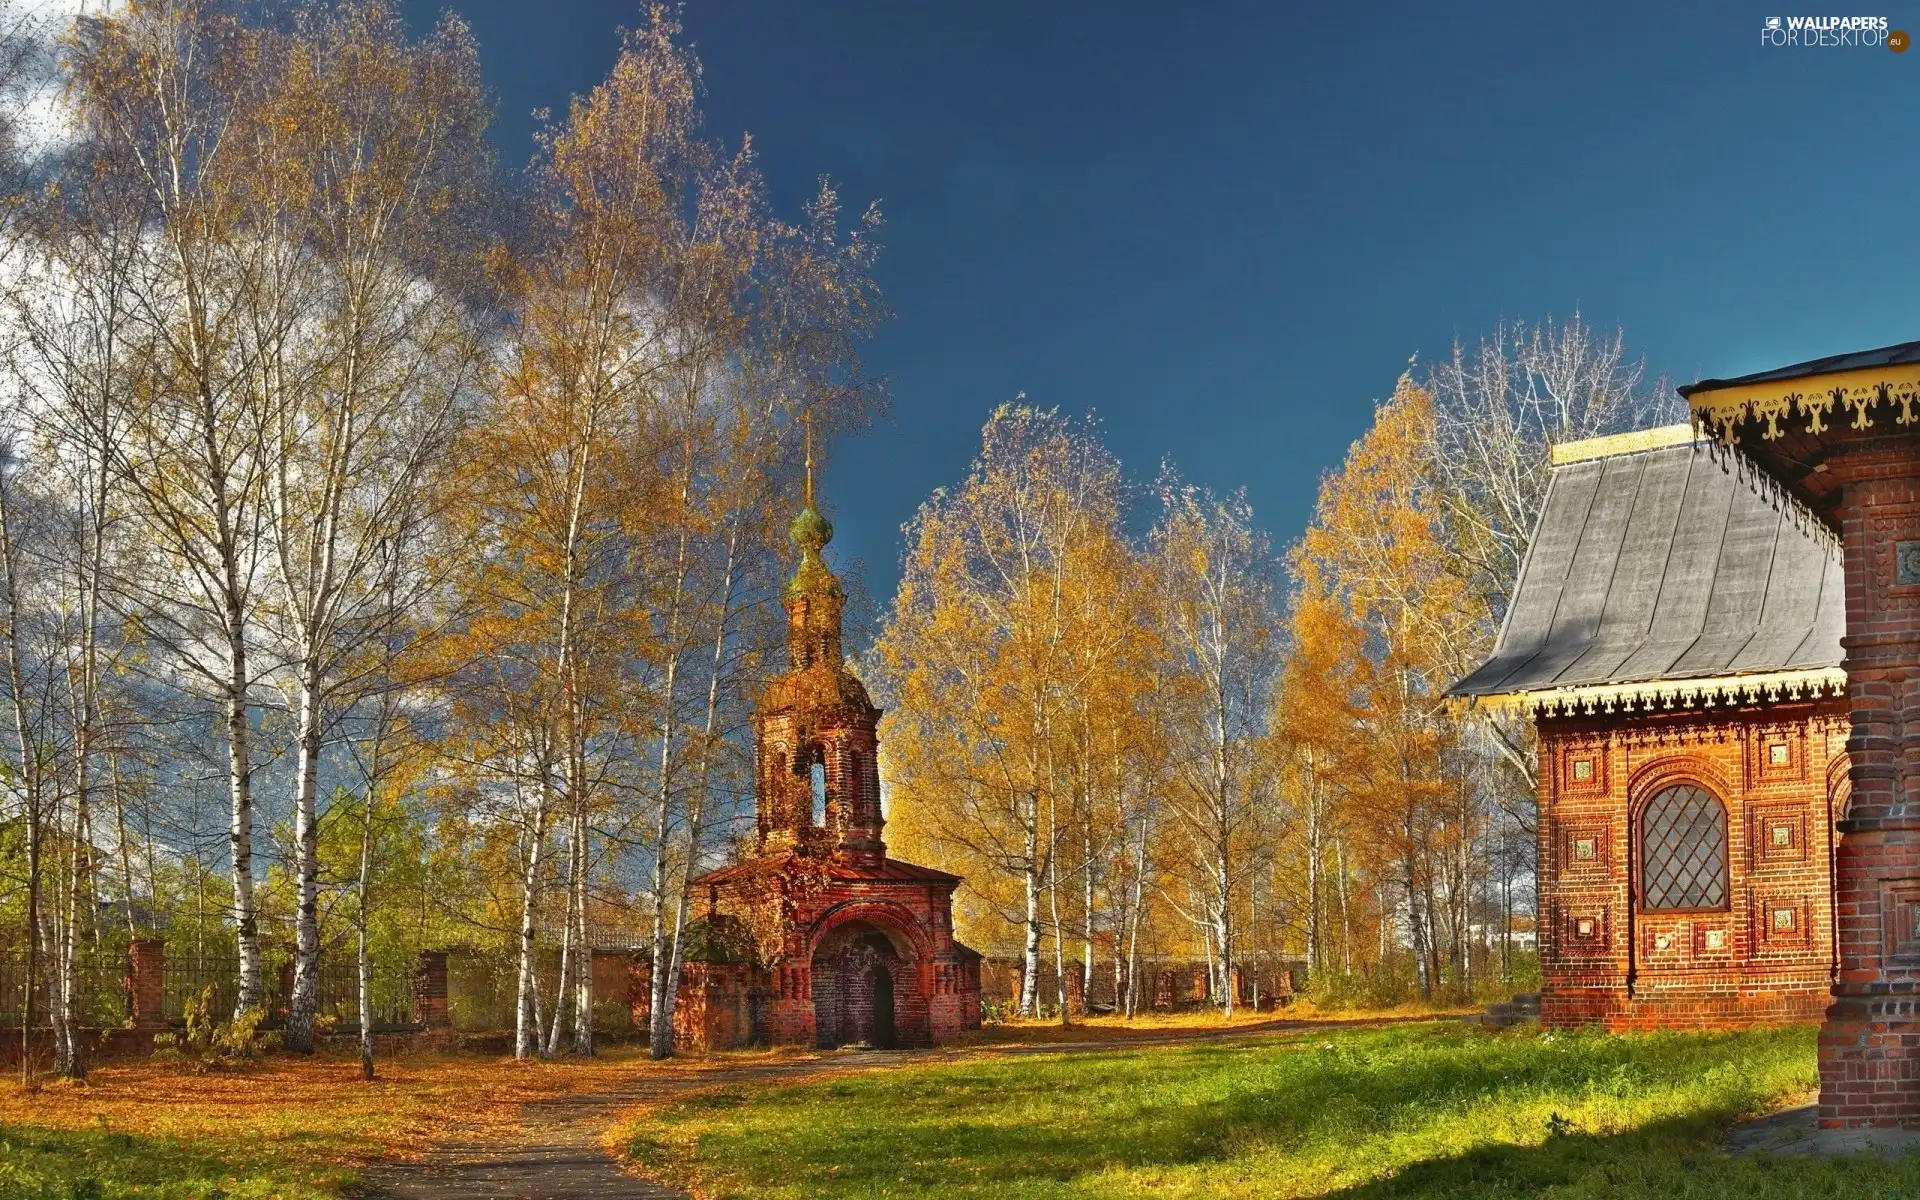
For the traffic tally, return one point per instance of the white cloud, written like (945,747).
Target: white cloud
(43,117)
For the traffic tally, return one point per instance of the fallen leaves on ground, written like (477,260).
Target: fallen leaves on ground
(319,1107)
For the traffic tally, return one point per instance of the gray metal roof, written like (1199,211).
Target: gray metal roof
(1885,356)
(1683,562)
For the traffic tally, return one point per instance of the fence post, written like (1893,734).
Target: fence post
(146,982)
(430,991)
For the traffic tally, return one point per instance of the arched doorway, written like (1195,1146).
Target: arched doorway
(856,968)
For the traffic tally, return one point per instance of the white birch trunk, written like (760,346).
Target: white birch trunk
(583,954)
(301,1009)
(526,1013)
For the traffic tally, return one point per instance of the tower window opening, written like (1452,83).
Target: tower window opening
(817,779)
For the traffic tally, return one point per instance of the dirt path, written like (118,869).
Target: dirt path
(556,1153)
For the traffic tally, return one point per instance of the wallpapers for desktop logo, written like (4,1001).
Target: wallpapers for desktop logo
(1841,32)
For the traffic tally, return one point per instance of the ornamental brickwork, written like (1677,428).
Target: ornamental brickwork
(1870,1046)
(1838,435)
(1756,943)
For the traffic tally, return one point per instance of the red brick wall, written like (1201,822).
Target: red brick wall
(954,1006)
(936,982)
(1767,955)
(714,1008)
(848,744)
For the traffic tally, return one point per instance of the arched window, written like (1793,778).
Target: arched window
(817,779)
(1683,850)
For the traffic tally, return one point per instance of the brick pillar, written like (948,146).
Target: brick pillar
(146,982)
(1870,1044)
(430,991)
(1076,992)
(1164,989)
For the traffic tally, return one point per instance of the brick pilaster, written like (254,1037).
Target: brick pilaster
(1870,1045)
(430,991)
(146,982)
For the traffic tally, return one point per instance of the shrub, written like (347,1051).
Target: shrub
(205,1043)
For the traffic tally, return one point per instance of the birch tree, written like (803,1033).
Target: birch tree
(1215,574)
(70,375)
(565,479)
(1316,725)
(30,769)
(165,94)
(987,643)
(377,147)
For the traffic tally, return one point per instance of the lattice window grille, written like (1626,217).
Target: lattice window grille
(1683,850)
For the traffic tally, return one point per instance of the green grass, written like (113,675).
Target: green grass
(1425,1110)
(52,1164)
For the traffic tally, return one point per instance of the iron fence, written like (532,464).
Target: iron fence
(185,978)
(105,990)
(338,996)
(336,991)
(101,976)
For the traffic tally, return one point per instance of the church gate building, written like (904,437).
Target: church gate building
(818,938)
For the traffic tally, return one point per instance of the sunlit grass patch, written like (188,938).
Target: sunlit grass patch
(1152,1025)
(1430,1109)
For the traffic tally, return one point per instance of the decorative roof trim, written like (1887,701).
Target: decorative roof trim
(1630,442)
(1776,493)
(1671,694)
(1724,410)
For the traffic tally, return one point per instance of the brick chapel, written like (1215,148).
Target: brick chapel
(818,938)
(1698,800)
(1675,635)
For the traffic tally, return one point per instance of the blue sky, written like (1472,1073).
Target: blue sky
(1225,227)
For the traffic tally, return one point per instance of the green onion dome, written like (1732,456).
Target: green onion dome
(810,531)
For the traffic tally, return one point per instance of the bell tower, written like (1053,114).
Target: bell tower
(846,945)
(817,782)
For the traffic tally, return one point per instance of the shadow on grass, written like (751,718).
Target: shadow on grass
(1672,1158)
(58,1164)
